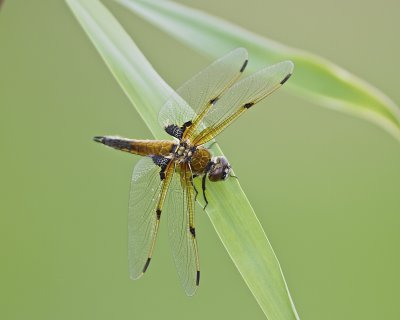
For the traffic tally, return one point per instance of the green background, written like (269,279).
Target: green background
(325,186)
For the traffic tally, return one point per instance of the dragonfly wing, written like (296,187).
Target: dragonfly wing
(146,200)
(179,206)
(241,96)
(192,101)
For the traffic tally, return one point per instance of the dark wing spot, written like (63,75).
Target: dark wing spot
(198,278)
(146,265)
(213,101)
(186,125)
(174,130)
(244,65)
(248,105)
(286,78)
(160,161)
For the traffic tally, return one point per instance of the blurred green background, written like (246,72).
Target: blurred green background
(325,186)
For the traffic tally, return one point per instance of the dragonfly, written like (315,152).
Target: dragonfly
(163,179)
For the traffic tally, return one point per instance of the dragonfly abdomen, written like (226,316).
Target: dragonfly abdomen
(139,147)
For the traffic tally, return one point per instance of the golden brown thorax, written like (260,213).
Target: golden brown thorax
(200,160)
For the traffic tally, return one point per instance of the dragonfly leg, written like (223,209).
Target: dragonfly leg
(195,189)
(203,187)
(192,182)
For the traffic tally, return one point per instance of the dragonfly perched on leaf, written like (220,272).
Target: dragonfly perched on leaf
(163,180)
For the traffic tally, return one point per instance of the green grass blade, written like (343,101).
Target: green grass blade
(229,210)
(315,78)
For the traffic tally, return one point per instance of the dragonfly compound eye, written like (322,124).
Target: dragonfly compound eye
(220,169)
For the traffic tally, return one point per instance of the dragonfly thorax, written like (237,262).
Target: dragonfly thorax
(184,152)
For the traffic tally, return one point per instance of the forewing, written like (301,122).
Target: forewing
(179,207)
(192,101)
(241,96)
(145,204)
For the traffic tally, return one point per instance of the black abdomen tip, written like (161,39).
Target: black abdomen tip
(244,65)
(99,139)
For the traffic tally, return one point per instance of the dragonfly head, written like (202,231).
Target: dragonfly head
(220,169)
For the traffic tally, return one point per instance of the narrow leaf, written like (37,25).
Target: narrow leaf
(315,78)
(229,210)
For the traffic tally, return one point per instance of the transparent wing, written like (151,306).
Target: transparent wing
(180,211)
(145,204)
(241,96)
(192,101)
